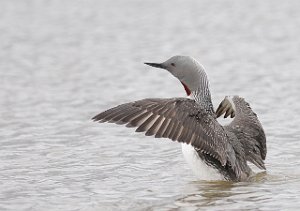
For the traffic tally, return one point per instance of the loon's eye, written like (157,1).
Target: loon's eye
(173,64)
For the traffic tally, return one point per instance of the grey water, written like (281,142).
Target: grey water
(62,62)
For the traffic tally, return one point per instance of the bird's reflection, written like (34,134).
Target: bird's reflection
(204,193)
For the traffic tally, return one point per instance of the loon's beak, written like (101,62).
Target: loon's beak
(157,65)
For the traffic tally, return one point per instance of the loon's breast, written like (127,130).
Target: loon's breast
(201,169)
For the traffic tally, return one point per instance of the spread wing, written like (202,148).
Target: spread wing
(246,128)
(179,119)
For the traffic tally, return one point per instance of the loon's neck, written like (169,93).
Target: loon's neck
(202,94)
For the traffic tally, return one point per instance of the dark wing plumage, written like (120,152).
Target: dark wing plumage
(246,127)
(179,119)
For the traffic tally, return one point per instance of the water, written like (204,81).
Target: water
(62,62)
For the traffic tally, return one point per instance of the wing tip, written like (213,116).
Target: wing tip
(95,118)
(226,106)
(99,118)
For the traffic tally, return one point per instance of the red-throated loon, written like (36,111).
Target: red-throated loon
(213,151)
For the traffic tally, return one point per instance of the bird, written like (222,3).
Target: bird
(213,151)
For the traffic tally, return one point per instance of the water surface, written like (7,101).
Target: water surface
(62,62)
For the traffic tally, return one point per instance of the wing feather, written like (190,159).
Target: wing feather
(246,127)
(156,125)
(147,123)
(162,128)
(179,119)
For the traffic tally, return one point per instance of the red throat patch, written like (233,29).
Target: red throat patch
(186,88)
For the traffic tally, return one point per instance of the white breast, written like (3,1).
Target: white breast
(199,167)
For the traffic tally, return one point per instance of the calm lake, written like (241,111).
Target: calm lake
(62,62)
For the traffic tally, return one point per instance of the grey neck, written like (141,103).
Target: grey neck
(202,94)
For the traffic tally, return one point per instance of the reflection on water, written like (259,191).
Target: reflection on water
(225,195)
(206,193)
(62,62)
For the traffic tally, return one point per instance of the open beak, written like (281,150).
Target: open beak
(157,65)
